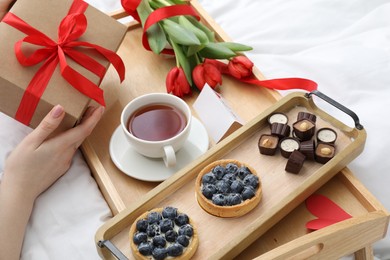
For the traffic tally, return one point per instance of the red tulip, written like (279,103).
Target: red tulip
(240,67)
(206,73)
(176,82)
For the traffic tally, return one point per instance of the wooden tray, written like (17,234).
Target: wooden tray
(282,191)
(289,238)
(146,73)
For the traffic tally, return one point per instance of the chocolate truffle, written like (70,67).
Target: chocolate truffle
(268,144)
(288,145)
(304,129)
(278,118)
(324,152)
(295,162)
(308,148)
(306,115)
(326,135)
(280,130)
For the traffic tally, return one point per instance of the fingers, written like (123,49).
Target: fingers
(47,126)
(76,135)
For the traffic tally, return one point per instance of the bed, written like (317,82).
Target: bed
(342,45)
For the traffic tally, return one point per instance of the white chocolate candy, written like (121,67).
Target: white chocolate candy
(278,118)
(326,135)
(289,145)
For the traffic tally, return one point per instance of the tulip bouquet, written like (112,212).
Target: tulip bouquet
(173,27)
(193,45)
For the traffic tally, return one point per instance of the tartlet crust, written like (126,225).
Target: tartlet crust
(188,252)
(226,211)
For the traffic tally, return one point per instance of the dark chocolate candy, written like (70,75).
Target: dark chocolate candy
(281,130)
(295,162)
(308,148)
(304,129)
(326,135)
(288,145)
(324,152)
(268,144)
(306,115)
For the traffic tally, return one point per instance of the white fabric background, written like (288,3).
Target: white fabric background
(342,45)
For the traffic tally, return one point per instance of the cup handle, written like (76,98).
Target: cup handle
(170,156)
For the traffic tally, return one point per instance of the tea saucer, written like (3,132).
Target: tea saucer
(143,168)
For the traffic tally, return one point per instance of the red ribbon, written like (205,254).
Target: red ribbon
(156,16)
(53,53)
(279,84)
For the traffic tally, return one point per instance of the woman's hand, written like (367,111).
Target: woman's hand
(39,160)
(35,164)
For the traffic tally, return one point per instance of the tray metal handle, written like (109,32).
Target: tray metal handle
(337,105)
(113,249)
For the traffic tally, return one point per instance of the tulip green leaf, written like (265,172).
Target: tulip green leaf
(182,59)
(156,36)
(216,51)
(179,34)
(210,34)
(183,21)
(236,47)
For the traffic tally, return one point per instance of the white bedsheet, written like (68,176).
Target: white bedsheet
(342,45)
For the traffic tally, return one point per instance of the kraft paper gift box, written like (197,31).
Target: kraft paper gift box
(46,16)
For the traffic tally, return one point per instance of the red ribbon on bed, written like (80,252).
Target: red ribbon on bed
(156,16)
(52,53)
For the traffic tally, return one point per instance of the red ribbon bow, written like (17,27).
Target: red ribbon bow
(52,53)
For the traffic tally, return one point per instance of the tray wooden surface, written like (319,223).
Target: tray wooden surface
(282,191)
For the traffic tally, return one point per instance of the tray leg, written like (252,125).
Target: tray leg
(365,254)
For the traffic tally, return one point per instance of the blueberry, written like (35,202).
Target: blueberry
(208,178)
(159,241)
(208,190)
(219,199)
(182,219)
(175,249)
(219,172)
(251,180)
(243,171)
(183,240)
(145,248)
(140,237)
(166,224)
(154,217)
(222,186)
(231,168)
(171,236)
(237,186)
(233,199)
(229,178)
(153,230)
(248,192)
(159,253)
(186,230)
(142,225)
(169,212)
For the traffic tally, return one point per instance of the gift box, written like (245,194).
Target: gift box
(78,43)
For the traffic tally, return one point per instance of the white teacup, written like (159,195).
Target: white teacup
(157,125)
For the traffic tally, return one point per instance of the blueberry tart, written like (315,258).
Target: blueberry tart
(163,233)
(228,188)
